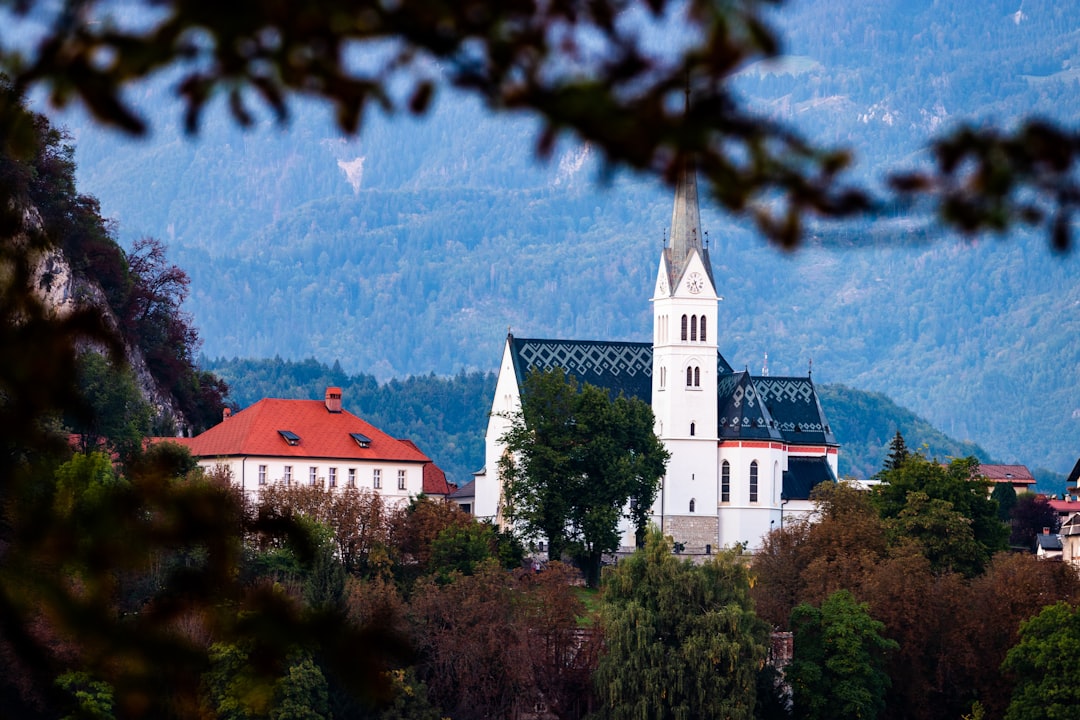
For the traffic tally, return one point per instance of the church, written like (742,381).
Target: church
(745,450)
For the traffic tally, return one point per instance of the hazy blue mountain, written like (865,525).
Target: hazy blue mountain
(412,249)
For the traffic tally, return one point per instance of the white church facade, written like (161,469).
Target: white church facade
(745,450)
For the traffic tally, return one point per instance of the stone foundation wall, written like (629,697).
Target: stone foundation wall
(694,532)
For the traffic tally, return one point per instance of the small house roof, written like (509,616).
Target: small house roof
(1015,474)
(300,429)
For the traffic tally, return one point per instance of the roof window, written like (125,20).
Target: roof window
(361,440)
(289,436)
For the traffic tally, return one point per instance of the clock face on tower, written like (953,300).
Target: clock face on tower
(662,287)
(695,282)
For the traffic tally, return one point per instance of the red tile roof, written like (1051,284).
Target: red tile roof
(1065,507)
(1015,474)
(434,478)
(435,481)
(323,434)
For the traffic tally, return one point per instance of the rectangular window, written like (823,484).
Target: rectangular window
(376,478)
(313,475)
(725,482)
(288,475)
(352,477)
(262,474)
(333,477)
(400,479)
(753,481)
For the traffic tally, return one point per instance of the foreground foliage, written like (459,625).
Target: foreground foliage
(838,669)
(953,621)
(681,640)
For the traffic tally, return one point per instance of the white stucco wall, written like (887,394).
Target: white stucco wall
(246,471)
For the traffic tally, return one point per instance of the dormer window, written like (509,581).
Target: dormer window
(289,436)
(362,440)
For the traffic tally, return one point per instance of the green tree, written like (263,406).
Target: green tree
(92,699)
(957,483)
(898,452)
(838,666)
(235,691)
(460,548)
(1042,661)
(943,535)
(575,461)
(682,640)
(1005,495)
(118,418)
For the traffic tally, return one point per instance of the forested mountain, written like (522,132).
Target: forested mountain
(447,416)
(411,249)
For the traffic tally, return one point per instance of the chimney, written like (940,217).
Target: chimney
(333,399)
(225,414)
(1046,531)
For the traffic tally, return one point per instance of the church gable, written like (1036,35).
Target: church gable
(695,278)
(793,404)
(618,367)
(741,413)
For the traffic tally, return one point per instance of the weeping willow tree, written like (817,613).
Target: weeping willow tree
(682,639)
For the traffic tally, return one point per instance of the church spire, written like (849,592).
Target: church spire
(685,218)
(686,239)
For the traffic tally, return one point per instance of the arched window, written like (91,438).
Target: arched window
(697,377)
(703,335)
(693,327)
(691,504)
(725,482)
(689,376)
(753,481)
(684,327)
(693,426)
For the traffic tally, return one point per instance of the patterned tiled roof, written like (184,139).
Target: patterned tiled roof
(793,404)
(781,408)
(742,414)
(624,367)
(256,431)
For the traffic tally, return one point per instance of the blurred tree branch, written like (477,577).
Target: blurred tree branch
(588,68)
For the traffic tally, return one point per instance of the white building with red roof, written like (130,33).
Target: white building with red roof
(312,442)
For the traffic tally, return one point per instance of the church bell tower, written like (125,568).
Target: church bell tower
(684,382)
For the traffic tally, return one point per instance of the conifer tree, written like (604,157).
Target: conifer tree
(898,452)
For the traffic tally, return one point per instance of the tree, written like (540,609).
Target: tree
(473,642)
(681,640)
(601,80)
(1014,588)
(898,452)
(838,666)
(1049,648)
(944,536)
(118,418)
(1030,516)
(1005,495)
(577,462)
(808,561)
(957,483)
